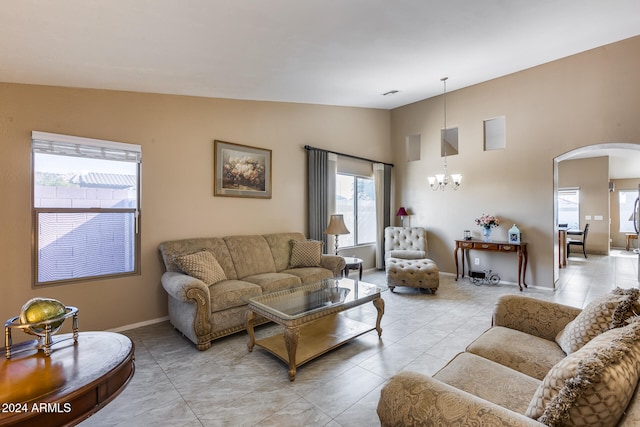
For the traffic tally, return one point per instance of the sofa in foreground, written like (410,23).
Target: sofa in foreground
(541,363)
(209,280)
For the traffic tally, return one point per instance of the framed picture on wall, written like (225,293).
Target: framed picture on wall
(241,170)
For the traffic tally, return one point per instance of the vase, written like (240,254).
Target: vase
(486,233)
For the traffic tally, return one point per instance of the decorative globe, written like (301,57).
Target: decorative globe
(40,310)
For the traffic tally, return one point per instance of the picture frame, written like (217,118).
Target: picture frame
(241,170)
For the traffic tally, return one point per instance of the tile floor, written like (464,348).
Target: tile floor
(177,385)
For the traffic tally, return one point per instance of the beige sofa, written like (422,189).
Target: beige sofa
(517,374)
(234,268)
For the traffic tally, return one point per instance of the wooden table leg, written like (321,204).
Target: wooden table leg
(524,271)
(455,256)
(251,317)
(291,337)
(378,303)
(522,267)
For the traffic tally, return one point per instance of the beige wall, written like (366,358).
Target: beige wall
(586,99)
(591,176)
(176,134)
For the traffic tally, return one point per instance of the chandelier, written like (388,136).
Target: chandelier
(441,180)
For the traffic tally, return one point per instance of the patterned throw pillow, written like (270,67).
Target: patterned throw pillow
(202,265)
(604,313)
(305,253)
(593,385)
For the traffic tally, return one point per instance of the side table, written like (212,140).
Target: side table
(505,247)
(65,388)
(352,264)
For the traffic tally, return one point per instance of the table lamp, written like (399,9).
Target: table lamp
(402,213)
(336,227)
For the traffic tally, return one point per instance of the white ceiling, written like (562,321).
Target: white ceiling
(335,52)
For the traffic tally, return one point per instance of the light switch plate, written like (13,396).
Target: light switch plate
(598,218)
(587,217)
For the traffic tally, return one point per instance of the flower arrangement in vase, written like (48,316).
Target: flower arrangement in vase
(487,222)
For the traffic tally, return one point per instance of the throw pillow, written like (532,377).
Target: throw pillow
(305,253)
(592,386)
(604,313)
(406,254)
(202,265)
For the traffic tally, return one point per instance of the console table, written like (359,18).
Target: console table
(519,248)
(62,389)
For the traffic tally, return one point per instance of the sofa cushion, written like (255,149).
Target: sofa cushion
(407,254)
(593,385)
(305,253)
(216,245)
(490,381)
(281,248)
(270,282)
(251,255)
(600,315)
(201,265)
(232,293)
(525,353)
(310,274)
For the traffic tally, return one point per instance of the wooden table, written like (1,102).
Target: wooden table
(65,388)
(312,318)
(352,263)
(630,237)
(479,245)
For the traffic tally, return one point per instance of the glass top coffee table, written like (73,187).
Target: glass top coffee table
(310,315)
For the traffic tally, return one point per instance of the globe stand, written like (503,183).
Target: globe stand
(44,330)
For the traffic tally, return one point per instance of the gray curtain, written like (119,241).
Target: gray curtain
(318,208)
(382,182)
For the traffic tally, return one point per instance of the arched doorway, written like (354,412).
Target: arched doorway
(621,155)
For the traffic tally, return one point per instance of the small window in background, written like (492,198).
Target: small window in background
(86,200)
(356,201)
(569,207)
(626,201)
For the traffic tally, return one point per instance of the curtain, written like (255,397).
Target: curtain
(318,194)
(382,187)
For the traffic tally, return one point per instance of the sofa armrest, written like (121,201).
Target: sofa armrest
(185,288)
(335,263)
(537,317)
(413,399)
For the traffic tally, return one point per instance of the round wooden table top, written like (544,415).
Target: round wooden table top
(75,381)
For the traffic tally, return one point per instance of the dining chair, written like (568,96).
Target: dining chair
(579,242)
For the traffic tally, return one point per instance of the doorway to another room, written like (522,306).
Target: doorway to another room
(596,185)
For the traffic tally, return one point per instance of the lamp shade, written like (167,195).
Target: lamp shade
(402,212)
(336,226)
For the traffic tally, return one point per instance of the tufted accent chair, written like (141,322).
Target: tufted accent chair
(406,259)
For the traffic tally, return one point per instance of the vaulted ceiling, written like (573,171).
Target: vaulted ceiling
(335,52)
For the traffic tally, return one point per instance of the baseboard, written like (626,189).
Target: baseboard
(139,324)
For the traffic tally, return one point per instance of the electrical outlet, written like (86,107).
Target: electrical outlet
(476,261)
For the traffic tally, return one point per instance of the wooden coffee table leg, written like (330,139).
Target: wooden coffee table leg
(251,317)
(291,336)
(379,305)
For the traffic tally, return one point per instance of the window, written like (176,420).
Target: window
(569,207)
(356,200)
(626,201)
(86,204)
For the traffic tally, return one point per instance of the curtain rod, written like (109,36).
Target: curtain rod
(308,147)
